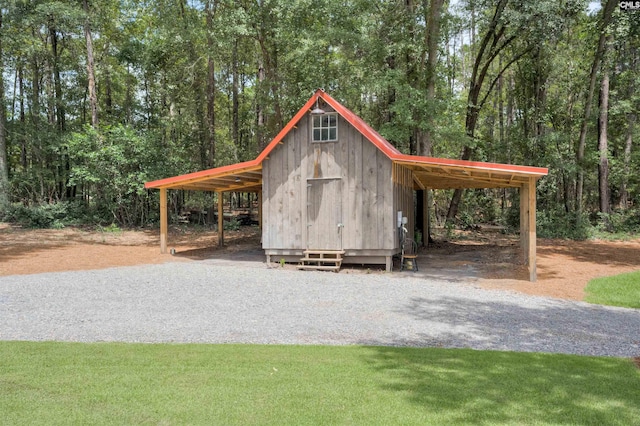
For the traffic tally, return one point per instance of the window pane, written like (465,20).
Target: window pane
(332,120)
(332,134)
(316,134)
(325,134)
(325,121)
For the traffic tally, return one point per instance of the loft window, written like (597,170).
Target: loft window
(325,128)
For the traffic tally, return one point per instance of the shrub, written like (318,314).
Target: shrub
(38,216)
(232,224)
(624,221)
(558,224)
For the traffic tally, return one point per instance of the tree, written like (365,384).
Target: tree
(4,167)
(432,39)
(603,147)
(93,100)
(605,19)
(211,84)
(516,29)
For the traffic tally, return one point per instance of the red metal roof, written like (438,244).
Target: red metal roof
(242,176)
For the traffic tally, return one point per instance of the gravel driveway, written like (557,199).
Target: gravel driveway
(222,302)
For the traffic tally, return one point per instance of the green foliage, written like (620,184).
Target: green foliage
(480,206)
(53,215)
(111,166)
(559,224)
(417,237)
(111,229)
(106,383)
(233,224)
(621,221)
(39,216)
(153,79)
(619,290)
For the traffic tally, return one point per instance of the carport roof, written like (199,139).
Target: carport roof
(429,172)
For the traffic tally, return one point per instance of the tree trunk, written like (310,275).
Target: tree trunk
(624,192)
(260,110)
(603,165)
(235,125)
(211,86)
(604,23)
(480,69)
(623,201)
(93,99)
(57,82)
(432,38)
(4,166)
(34,113)
(23,119)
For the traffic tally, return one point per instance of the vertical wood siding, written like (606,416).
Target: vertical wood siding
(403,196)
(371,190)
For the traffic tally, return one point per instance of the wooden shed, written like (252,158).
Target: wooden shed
(329,182)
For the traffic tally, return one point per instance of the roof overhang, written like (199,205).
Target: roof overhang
(429,172)
(240,177)
(440,173)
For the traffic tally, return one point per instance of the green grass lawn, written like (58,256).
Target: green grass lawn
(619,290)
(72,383)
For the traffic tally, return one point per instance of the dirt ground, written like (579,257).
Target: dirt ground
(564,267)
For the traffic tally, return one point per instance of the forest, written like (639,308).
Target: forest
(99,96)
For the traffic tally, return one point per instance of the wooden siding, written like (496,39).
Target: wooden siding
(284,194)
(403,198)
(368,196)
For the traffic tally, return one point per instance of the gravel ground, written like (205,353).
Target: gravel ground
(222,302)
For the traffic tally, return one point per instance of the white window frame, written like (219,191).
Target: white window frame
(322,129)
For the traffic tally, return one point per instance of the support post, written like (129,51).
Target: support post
(524,225)
(528,226)
(420,214)
(260,213)
(220,219)
(532,230)
(164,221)
(426,226)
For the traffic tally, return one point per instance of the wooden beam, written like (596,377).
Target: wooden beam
(528,226)
(188,181)
(260,213)
(524,225)
(164,221)
(532,230)
(426,226)
(220,219)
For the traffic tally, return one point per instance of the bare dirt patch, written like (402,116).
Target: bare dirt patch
(564,267)
(32,251)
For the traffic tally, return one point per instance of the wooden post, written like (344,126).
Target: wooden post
(426,233)
(532,230)
(528,226)
(524,226)
(220,219)
(164,221)
(260,213)
(420,214)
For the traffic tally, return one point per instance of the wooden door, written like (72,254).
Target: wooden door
(324,214)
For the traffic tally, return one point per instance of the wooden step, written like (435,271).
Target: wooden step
(321,260)
(319,268)
(337,253)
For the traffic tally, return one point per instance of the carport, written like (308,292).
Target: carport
(428,173)
(408,171)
